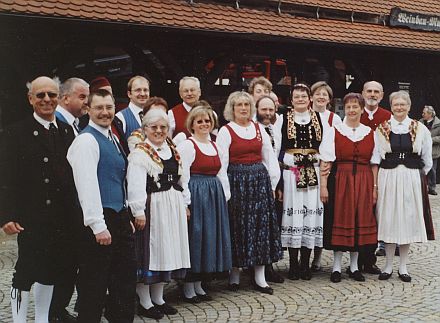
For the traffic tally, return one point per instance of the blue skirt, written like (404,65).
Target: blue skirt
(255,233)
(208,231)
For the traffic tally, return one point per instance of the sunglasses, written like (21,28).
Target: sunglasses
(42,95)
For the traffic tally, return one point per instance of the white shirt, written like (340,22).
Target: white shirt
(172,120)
(137,179)
(71,120)
(276,137)
(325,115)
(188,154)
(45,123)
(267,153)
(327,148)
(83,156)
(371,113)
(135,110)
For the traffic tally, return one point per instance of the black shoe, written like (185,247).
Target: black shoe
(335,277)
(385,276)
(152,313)
(373,269)
(294,273)
(265,290)
(166,309)
(356,275)
(306,274)
(273,276)
(315,268)
(404,277)
(64,317)
(204,297)
(380,253)
(192,300)
(233,287)
(432,192)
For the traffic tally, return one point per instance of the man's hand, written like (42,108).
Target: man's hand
(139,222)
(188,213)
(12,228)
(324,194)
(104,238)
(279,195)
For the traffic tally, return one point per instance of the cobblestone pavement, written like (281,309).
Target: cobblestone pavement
(317,300)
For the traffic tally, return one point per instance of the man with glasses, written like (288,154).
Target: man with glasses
(107,260)
(38,200)
(138,90)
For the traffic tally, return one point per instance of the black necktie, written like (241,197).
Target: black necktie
(76,126)
(269,132)
(53,131)
(141,115)
(110,137)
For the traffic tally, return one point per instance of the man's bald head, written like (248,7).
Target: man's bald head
(43,96)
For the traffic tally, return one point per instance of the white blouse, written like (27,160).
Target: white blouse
(188,154)
(138,165)
(268,156)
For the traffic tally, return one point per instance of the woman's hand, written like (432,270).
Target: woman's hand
(374,195)
(279,195)
(324,194)
(188,213)
(139,222)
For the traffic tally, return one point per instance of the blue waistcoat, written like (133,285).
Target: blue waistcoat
(131,123)
(112,169)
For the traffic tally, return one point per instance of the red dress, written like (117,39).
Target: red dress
(349,220)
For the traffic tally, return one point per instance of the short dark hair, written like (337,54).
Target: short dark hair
(354,96)
(301,87)
(100,92)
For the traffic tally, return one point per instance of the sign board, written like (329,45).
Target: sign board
(413,20)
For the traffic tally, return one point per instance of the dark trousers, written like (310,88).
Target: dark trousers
(63,290)
(367,258)
(432,175)
(111,267)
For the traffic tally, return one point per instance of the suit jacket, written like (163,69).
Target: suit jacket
(36,182)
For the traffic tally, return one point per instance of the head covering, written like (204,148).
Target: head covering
(98,83)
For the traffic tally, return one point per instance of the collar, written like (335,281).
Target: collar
(45,123)
(66,114)
(102,130)
(406,122)
(134,108)
(187,107)
(359,133)
(162,147)
(371,113)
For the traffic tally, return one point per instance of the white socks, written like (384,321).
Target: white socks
(354,261)
(143,292)
(157,293)
(19,304)
(403,253)
(42,299)
(198,288)
(234,276)
(390,248)
(260,280)
(188,290)
(337,261)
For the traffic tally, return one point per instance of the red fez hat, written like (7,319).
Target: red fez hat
(98,83)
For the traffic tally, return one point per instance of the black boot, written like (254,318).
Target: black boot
(306,273)
(271,275)
(294,265)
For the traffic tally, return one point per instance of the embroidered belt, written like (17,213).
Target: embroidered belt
(304,169)
(302,151)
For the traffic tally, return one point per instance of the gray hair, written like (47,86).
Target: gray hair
(68,85)
(232,100)
(400,95)
(55,79)
(373,82)
(153,116)
(191,78)
(430,109)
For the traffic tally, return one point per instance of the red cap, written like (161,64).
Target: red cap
(98,83)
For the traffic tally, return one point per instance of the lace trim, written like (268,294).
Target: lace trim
(291,128)
(340,129)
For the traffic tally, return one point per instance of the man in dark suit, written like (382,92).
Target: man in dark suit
(38,199)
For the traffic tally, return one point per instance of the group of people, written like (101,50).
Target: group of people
(123,203)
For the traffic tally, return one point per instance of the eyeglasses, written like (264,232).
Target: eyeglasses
(42,95)
(140,90)
(204,120)
(101,108)
(155,128)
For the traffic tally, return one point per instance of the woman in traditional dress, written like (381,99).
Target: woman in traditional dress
(302,133)
(253,173)
(349,192)
(156,201)
(322,94)
(205,190)
(403,211)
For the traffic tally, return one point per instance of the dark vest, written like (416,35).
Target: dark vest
(305,134)
(112,169)
(401,153)
(168,178)
(131,123)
